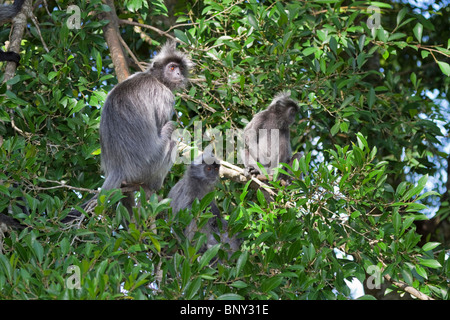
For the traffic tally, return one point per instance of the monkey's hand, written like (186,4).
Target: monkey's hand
(251,171)
(167,130)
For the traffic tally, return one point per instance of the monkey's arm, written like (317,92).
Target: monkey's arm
(251,150)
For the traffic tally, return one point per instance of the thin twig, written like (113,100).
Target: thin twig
(142,25)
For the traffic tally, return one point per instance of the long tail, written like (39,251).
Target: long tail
(111,182)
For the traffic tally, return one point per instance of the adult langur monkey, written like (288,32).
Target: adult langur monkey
(267,137)
(135,126)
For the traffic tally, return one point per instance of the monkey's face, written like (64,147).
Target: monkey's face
(292,110)
(207,173)
(212,170)
(171,72)
(175,74)
(286,110)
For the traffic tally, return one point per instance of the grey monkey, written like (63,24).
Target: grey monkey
(7,12)
(135,126)
(267,137)
(200,179)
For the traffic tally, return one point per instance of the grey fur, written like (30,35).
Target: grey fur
(258,135)
(200,179)
(135,126)
(7,12)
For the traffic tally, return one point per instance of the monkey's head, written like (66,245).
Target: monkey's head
(285,108)
(205,168)
(171,67)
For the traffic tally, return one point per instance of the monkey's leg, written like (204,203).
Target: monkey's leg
(128,202)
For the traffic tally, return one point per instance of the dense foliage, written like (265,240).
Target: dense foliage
(369,133)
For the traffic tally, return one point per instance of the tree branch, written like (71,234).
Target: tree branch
(405,287)
(111,32)
(18,28)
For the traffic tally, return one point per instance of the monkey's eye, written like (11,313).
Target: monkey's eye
(217,169)
(208,168)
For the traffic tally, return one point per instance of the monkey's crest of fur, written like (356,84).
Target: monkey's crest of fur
(283,95)
(169,52)
(283,104)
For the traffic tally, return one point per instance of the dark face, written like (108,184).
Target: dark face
(211,170)
(286,111)
(206,172)
(292,111)
(174,73)
(170,72)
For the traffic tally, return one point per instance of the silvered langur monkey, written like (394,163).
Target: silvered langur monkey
(7,12)
(267,137)
(135,126)
(200,179)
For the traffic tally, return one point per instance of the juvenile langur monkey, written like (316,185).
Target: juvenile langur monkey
(135,126)
(267,137)
(200,179)
(7,12)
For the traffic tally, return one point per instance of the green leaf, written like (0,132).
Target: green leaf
(206,200)
(445,67)
(271,283)
(367,297)
(242,260)
(413,78)
(181,35)
(261,198)
(418,29)
(252,21)
(230,296)
(424,53)
(98,61)
(239,284)
(401,14)
(193,287)
(185,273)
(208,255)
(421,272)
(335,128)
(38,250)
(5,266)
(362,142)
(430,246)
(4,190)
(355,214)
(309,51)
(263,237)
(396,222)
(430,263)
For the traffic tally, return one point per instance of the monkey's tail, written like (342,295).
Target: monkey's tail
(111,182)
(74,214)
